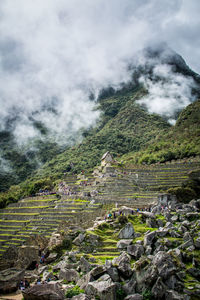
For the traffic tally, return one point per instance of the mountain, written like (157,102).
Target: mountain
(125,128)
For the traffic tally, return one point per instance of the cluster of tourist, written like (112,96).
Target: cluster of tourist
(66,190)
(24,284)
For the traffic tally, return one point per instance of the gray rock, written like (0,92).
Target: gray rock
(187,237)
(113,273)
(61,265)
(42,270)
(147,214)
(51,258)
(80,297)
(72,257)
(158,289)
(123,244)
(151,223)
(10,279)
(186,244)
(172,283)
(69,275)
(48,275)
(182,229)
(173,295)
(164,264)
(26,256)
(135,250)
(134,297)
(186,224)
(79,239)
(104,288)
(98,272)
(197,243)
(148,250)
(129,287)
(122,263)
(175,234)
(169,225)
(174,219)
(148,238)
(85,265)
(160,223)
(162,232)
(84,281)
(127,232)
(44,292)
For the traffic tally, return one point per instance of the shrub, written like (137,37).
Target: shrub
(122,220)
(147,295)
(103,226)
(120,294)
(66,245)
(73,292)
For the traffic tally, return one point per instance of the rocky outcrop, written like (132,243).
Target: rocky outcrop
(10,279)
(163,263)
(44,292)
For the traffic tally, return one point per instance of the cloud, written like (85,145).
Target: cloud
(168,92)
(53,54)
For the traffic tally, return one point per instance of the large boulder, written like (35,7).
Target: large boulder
(113,273)
(69,275)
(79,239)
(84,281)
(27,255)
(122,263)
(104,288)
(123,244)
(164,264)
(127,232)
(135,250)
(55,240)
(98,272)
(10,279)
(37,240)
(44,292)
(85,266)
(149,238)
(158,289)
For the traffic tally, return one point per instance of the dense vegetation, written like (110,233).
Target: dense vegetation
(180,141)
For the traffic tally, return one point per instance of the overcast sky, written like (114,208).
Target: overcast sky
(57,51)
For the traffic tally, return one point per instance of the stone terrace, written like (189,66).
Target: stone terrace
(41,215)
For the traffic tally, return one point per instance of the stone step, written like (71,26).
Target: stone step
(22,210)
(15,222)
(18,216)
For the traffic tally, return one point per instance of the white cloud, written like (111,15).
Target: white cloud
(59,51)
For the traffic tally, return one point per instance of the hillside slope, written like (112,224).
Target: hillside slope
(181,141)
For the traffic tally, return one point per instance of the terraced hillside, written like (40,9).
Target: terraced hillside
(41,215)
(134,187)
(139,186)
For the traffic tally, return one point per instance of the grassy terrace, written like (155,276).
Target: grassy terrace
(37,216)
